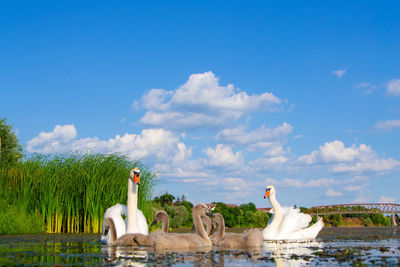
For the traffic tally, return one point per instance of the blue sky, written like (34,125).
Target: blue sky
(221,98)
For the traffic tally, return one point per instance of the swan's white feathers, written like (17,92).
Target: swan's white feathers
(114,213)
(142,223)
(288,223)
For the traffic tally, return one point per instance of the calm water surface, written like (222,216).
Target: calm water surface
(334,246)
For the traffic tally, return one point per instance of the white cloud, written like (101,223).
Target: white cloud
(388,125)
(374,165)
(162,144)
(366,88)
(339,73)
(332,193)
(351,159)
(260,138)
(332,152)
(201,102)
(393,87)
(361,199)
(268,163)
(223,156)
(355,188)
(323,182)
(298,136)
(55,141)
(384,199)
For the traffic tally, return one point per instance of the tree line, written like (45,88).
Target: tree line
(180,212)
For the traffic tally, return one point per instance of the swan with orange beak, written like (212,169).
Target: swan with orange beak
(288,223)
(135,221)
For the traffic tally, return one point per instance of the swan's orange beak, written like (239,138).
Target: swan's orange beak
(136,177)
(266,193)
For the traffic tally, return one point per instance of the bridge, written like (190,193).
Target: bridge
(382,208)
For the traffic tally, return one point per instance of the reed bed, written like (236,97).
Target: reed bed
(71,192)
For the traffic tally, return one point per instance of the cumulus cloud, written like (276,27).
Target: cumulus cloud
(339,73)
(55,141)
(257,139)
(162,144)
(393,87)
(223,156)
(366,88)
(331,193)
(202,102)
(361,182)
(323,182)
(388,125)
(384,199)
(351,159)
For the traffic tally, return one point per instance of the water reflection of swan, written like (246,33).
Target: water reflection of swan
(290,223)
(135,221)
(291,253)
(125,256)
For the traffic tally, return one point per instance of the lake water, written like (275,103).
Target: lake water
(333,246)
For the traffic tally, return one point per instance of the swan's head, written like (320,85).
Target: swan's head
(159,217)
(202,209)
(135,175)
(269,191)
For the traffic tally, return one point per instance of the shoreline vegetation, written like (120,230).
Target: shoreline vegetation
(66,193)
(69,193)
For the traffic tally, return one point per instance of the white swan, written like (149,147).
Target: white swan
(288,223)
(135,221)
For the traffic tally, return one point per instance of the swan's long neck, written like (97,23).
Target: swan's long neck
(276,221)
(165,223)
(198,224)
(110,226)
(132,226)
(221,226)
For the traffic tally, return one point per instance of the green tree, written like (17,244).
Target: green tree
(10,150)
(178,215)
(229,217)
(165,199)
(260,219)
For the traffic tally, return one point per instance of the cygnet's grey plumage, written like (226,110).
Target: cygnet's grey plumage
(129,239)
(251,238)
(198,240)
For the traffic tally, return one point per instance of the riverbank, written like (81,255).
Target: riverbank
(333,246)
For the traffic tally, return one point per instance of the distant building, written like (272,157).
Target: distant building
(266,210)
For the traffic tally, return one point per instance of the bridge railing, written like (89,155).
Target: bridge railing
(386,208)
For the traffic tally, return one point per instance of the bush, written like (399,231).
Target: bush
(14,220)
(178,215)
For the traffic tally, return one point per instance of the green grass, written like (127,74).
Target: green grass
(69,193)
(14,220)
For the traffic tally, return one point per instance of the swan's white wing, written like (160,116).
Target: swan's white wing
(142,223)
(307,233)
(293,220)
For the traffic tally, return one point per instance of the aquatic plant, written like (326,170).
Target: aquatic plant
(70,192)
(15,220)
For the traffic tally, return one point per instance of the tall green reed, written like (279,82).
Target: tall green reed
(71,192)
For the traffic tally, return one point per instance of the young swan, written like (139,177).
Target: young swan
(251,238)
(189,241)
(207,222)
(129,239)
